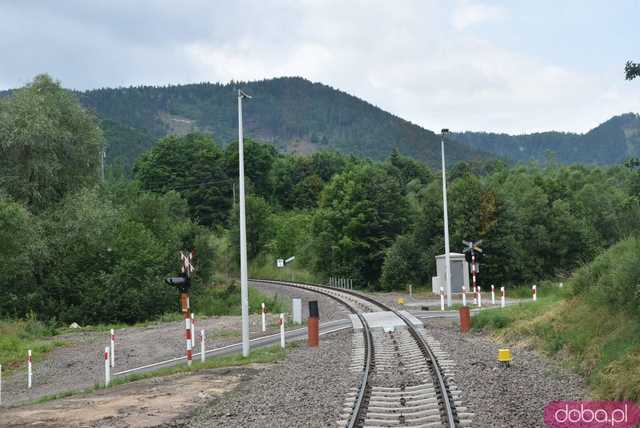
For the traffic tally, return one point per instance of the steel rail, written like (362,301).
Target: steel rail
(358,410)
(449,417)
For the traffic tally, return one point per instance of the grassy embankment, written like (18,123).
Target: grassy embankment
(592,324)
(265,269)
(16,337)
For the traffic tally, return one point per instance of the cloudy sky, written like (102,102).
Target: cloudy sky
(506,66)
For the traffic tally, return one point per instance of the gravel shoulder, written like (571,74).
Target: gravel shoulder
(329,308)
(307,389)
(504,397)
(80,364)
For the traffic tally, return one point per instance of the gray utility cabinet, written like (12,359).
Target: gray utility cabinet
(459,274)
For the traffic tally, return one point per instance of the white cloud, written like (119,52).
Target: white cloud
(420,60)
(467,14)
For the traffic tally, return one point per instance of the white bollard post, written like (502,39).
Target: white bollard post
(202,346)
(441,299)
(410,290)
(193,330)
(29,369)
(112,350)
(264,318)
(464,296)
(479,297)
(0,384)
(493,295)
(502,299)
(561,285)
(107,369)
(535,296)
(282,331)
(297,310)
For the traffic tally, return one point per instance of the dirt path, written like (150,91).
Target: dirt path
(146,403)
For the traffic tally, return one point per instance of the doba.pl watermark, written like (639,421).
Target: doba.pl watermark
(591,414)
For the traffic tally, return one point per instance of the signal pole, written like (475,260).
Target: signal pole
(447,258)
(244,286)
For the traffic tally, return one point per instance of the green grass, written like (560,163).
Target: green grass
(592,325)
(225,300)
(257,356)
(18,336)
(267,270)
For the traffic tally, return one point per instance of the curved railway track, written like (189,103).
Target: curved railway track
(401,381)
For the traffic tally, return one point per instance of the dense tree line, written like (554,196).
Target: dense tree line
(71,248)
(381,222)
(75,249)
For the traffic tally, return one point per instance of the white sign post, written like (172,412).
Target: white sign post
(297,311)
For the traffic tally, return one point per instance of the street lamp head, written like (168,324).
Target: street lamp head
(242,94)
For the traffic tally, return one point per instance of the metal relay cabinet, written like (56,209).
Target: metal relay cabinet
(459,274)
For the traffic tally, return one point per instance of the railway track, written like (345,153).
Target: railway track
(405,379)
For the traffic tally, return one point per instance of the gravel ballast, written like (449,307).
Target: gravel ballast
(80,364)
(305,390)
(498,396)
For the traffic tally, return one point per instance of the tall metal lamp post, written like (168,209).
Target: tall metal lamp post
(447,258)
(244,282)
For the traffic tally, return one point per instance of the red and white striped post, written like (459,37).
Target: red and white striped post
(441,299)
(113,349)
(107,368)
(189,342)
(479,297)
(502,299)
(202,346)
(29,369)
(493,295)
(282,331)
(264,318)
(473,275)
(464,296)
(535,294)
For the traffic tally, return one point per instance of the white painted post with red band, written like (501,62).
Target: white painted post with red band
(188,336)
(535,294)
(441,299)
(502,299)
(29,369)
(113,349)
(282,331)
(464,296)
(264,318)
(202,346)
(479,297)
(193,329)
(107,368)
(493,295)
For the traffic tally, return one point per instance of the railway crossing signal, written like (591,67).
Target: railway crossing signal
(183,283)
(473,247)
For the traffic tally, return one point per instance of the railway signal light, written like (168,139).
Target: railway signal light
(182,282)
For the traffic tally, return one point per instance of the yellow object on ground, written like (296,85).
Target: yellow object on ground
(504,355)
(400,301)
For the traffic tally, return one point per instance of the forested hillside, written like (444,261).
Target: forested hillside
(611,142)
(292,114)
